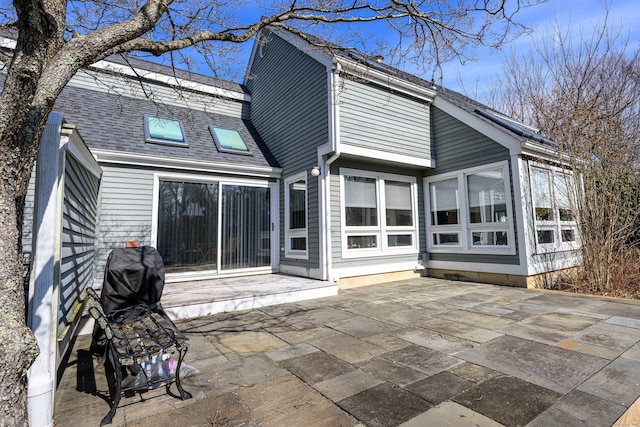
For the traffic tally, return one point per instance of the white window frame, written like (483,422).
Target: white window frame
(382,231)
(221,181)
(556,225)
(465,228)
(298,232)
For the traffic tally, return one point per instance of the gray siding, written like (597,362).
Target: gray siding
(79,215)
(126,206)
(377,118)
(457,146)
(336,214)
(289,109)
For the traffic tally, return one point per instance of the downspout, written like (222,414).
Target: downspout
(325,168)
(45,272)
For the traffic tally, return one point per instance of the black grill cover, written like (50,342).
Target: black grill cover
(133,277)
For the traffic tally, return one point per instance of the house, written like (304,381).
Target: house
(413,179)
(323,164)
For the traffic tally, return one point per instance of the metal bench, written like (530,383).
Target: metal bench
(136,343)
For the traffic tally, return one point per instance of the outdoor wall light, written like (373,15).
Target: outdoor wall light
(315,171)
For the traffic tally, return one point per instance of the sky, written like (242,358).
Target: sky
(472,76)
(576,14)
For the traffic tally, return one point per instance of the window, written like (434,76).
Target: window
(552,200)
(478,218)
(445,212)
(164,131)
(229,141)
(296,217)
(379,213)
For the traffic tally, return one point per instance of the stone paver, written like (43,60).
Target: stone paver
(555,368)
(579,409)
(450,414)
(619,382)
(508,400)
(384,405)
(439,387)
(384,355)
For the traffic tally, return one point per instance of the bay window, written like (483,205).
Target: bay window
(379,213)
(470,210)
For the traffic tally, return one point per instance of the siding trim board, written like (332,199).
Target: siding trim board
(107,156)
(369,154)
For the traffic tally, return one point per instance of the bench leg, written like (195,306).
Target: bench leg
(183,393)
(116,396)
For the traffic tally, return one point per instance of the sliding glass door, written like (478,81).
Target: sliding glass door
(246,227)
(188,225)
(213,227)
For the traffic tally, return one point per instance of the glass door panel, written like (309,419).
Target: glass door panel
(187,235)
(246,227)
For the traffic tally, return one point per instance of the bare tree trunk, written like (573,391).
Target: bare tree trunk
(19,348)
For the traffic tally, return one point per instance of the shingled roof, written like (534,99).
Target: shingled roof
(114,122)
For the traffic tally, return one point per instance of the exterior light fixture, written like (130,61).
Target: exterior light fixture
(315,171)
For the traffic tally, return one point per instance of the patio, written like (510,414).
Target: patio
(420,352)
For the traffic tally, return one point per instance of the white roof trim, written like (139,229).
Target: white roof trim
(170,80)
(317,53)
(78,148)
(108,156)
(384,79)
(163,78)
(353,67)
(7,43)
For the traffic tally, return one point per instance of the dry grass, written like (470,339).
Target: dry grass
(618,278)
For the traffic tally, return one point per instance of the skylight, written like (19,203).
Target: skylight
(164,131)
(229,141)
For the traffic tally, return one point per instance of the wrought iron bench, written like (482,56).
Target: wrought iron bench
(140,343)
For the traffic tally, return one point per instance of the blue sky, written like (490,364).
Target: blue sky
(579,14)
(574,14)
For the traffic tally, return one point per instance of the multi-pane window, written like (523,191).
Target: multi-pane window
(379,213)
(487,198)
(471,210)
(296,216)
(553,203)
(164,131)
(444,212)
